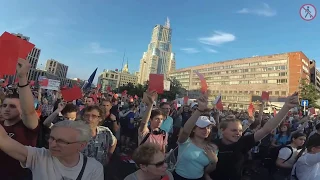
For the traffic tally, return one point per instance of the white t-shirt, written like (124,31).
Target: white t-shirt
(285,153)
(46,167)
(307,167)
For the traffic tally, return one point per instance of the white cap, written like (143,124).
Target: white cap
(203,121)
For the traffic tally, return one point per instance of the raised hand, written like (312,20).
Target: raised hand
(61,105)
(150,97)
(203,103)
(23,68)
(292,101)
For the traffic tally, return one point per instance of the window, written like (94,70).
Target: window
(283,93)
(276,93)
(257,92)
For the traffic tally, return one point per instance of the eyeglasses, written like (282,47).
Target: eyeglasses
(159,164)
(60,142)
(87,116)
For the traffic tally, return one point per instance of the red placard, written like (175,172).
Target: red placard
(12,48)
(185,100)
(71,94)
(204,85)
(156,83)
(265,96)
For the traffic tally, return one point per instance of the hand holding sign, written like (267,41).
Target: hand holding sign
(23,68)
(204,86)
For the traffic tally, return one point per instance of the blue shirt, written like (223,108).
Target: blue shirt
(130,116)
(283,140)
(167,125)
(191,161)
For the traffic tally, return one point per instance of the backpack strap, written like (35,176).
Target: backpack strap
(85,159)
(145,138)
(291,149)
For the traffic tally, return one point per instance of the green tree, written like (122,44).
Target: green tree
(175,88)
(309,92)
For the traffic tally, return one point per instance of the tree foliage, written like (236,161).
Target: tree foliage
(139,89)
(309,92)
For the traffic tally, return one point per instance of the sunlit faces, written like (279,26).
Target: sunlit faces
(202,132)
(10,109)
(166,109)
(89,101)
(64,142)
(93,117)
(299,141)
(233,132)
(157,166)
(70,116)
(156,121)
(106,105)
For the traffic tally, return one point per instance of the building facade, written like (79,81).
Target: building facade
(109,78)
(158,59)
(314,75)
(126,77)
(56,68)
(241,79)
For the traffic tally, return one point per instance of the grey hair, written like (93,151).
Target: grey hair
(83,128)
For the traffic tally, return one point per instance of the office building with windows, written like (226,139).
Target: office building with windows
(109,78)
(240,80)
(56,68)
(126,77)
(158,59)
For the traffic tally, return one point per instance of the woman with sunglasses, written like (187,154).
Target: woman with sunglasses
(151,162)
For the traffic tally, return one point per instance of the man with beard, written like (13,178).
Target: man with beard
(20,122)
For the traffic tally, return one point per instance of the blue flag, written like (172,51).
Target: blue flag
(90,80)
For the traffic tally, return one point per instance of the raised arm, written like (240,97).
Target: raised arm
(189,125)
(292,101)
(12,147)
(28,113)
(52,117)
(148,98)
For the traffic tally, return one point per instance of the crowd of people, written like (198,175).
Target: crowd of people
(44,137)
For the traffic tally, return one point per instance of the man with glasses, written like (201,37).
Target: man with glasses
(168,122)
(63,159)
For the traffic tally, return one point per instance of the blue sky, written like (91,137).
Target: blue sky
(89,34)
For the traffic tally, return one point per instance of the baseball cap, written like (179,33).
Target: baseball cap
(203,121)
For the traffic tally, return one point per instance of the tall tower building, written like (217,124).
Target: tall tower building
(158,59)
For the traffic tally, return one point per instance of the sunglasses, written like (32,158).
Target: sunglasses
(159,164)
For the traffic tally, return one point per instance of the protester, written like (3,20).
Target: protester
(62,160)
(307,166)
(168,122)
(20,123)
(110,120)
(197,157)
(102,143)
(151,162)
(152,133)
(233,147)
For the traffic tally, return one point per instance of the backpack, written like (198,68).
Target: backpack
(270,160)
(156,133)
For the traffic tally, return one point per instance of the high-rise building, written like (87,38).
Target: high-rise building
(314,75)
(158,59)
(32,58)
(240,81)
(56,68)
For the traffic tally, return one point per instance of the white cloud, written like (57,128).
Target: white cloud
(95,48)
(210,50)
(265,10)
(217,38)
(190,50)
